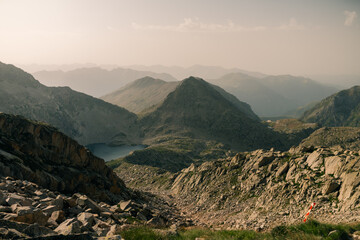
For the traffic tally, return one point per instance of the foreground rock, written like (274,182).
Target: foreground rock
(41,154)
(261,189)
(74,216)
(52,186)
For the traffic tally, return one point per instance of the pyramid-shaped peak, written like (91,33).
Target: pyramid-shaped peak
(146,81)
(193,80)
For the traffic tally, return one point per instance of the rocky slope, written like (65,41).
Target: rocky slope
(84,118)
(343,137)
(30,211)
(51,185)
(141,94)
(272,96)
(262,189)
(41,154)
(197,110)
(96,81)
(339,109)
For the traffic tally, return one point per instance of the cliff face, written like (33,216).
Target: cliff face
(41,154)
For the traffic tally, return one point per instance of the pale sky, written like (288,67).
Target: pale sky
(271,36)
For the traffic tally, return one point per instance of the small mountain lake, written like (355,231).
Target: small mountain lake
(109,153)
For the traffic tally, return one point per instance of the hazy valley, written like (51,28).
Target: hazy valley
(189,153)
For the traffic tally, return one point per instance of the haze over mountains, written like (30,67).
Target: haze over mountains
(141,94)
(180,120)
(272,96)
(205,72)
(95,81)
(269,96)
(194,109)
(192,130)
(197,110)
(339,109)
(80,116)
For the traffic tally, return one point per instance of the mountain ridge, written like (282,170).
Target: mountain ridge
(141,94)
(203,111)
(95,81)
(76,114)
(273,96)
(339,109)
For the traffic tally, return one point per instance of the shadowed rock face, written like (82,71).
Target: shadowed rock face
(41,154)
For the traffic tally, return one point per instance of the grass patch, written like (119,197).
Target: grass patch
(311,230)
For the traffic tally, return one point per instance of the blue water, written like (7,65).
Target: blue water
(109,153)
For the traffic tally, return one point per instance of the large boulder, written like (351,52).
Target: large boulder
(333,165)
(69,226)
(314,160)
(40,153)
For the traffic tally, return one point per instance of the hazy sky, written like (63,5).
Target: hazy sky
(270,36)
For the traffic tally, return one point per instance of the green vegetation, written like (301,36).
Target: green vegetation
(189,234)
(310,230)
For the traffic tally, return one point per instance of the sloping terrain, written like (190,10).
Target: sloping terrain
(95,81)
(41,154)
(261,189)
(279,186)
(82,117)
(343,137)
(339,109)
(272,96)
(52,186)
(141,94)
(295,129)
(146,94)
(197,110)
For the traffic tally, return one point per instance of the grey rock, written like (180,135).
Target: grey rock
(69,226)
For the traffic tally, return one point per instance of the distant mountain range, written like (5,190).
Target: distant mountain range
(205,72)
(95,81)
(273,95)
(145,95)
(192,108)
(339,81)
(270,96)
(339,109)
(84,118)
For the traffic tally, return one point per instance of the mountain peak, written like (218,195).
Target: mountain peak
(207,112)
(146,81)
